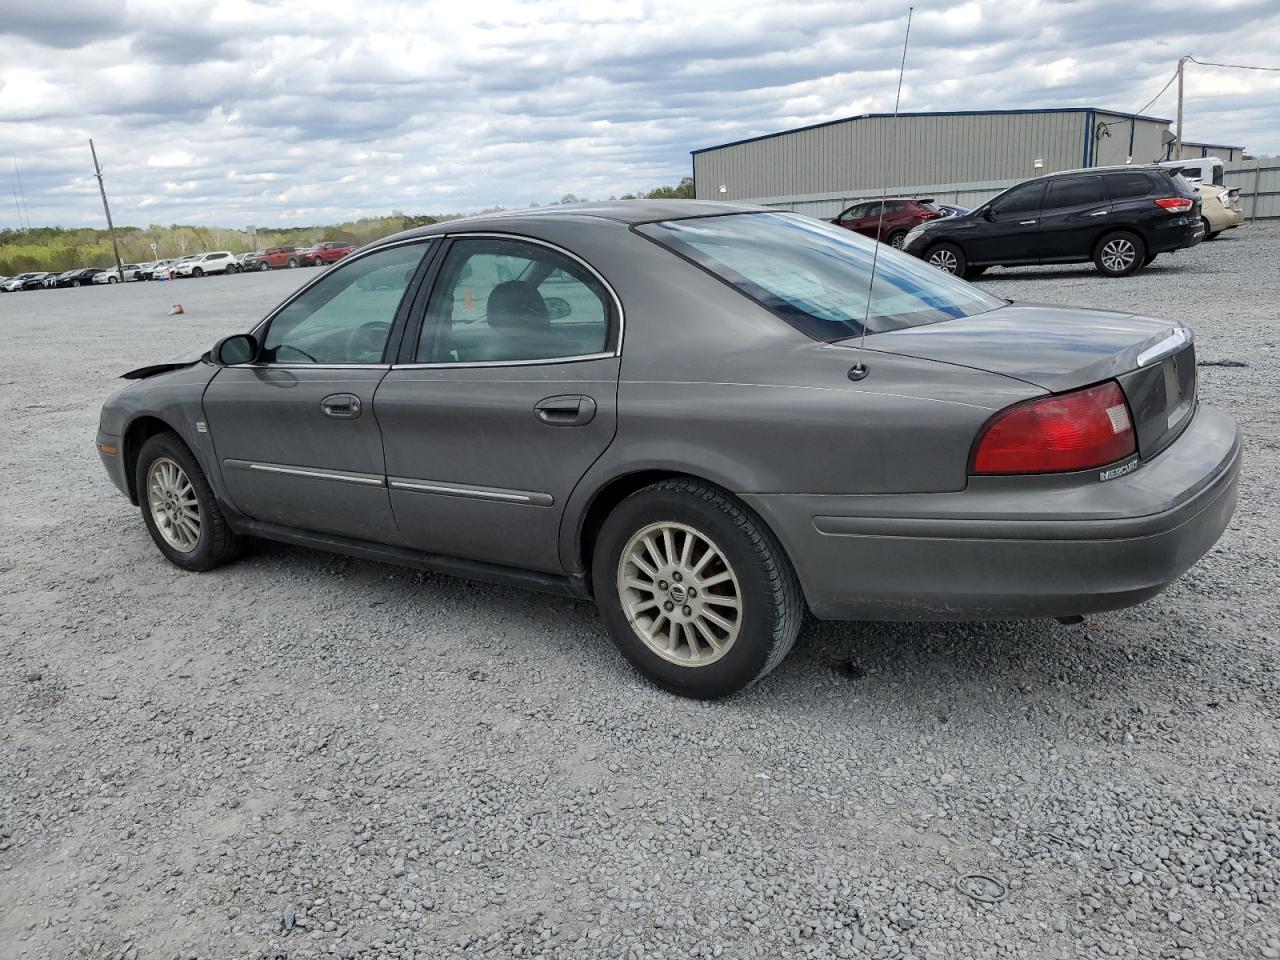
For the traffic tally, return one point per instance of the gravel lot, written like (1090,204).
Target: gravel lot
(392,764)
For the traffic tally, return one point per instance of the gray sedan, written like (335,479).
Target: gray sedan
(698,415)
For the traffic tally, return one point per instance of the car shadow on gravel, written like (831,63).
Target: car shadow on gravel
(1074,273)
(923,668)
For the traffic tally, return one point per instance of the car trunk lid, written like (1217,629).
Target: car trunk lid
(1064,348)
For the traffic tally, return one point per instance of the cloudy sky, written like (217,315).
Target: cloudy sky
(236,112)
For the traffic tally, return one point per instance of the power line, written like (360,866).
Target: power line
(1173,77)
(1233,66)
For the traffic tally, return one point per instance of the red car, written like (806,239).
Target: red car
(325,253)
(273,258)
(900,215)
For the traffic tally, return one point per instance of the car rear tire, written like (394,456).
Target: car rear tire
(896,239)
(695,590)
(179,508)
(948,258)
(1119,254)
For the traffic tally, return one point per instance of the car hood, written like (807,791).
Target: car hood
(189,359)
(1056,348)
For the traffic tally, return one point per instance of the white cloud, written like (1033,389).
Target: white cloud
(265,112)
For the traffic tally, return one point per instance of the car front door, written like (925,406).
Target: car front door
(295,433)
(851,216)
(867,222)
(1006,230)
(1075,212)
(505,398)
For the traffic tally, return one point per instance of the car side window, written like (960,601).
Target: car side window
(1125,186)
(499,300)
(1025,198)
(346,316)
(853,213)
(1075,192)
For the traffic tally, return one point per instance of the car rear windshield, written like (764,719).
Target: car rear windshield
(815,276)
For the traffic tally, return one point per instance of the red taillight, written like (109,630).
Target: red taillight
(1175,204)
(1071,431)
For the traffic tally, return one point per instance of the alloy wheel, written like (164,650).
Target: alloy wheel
(944,260)
(897,241)
(680,594)
(1118,254)
(171,498)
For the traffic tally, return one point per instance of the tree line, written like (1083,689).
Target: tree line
(64,248)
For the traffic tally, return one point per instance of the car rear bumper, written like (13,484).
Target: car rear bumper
(1014,548)
(1166,234)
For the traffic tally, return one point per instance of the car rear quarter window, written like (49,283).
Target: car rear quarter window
(1126,186)
(816,277)
(1074,192)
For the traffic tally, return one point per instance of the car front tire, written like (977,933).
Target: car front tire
(1120,254)
(948,258)
(695,591)
(264,265)
(293,262)
(179,508)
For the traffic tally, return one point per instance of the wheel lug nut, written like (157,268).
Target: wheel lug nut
(677,577)
(662,584)
(693,591)
(687,611)
(668,606)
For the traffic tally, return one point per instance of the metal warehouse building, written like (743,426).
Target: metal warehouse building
(876,150)
(1220,150)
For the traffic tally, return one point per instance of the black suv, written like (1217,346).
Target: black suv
(1118,217)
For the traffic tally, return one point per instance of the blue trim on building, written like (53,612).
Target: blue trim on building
(934,113)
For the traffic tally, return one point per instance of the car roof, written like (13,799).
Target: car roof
(1115,168)
(628,212)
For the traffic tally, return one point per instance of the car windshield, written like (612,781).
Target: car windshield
(815,276)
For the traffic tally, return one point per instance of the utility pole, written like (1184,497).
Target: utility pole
(97,170)
(1177,136)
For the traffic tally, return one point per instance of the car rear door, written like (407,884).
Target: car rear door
(1007,230)
(505,397)
(1074,215)
(295,433)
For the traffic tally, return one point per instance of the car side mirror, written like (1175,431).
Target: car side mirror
(557,307)
(988,215)
(233,350)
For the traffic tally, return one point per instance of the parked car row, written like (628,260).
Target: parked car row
(1120,218)
(275,258)
(193,265)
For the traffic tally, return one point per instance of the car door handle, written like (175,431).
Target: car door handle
(341,406)
(1025,223)
(571,411)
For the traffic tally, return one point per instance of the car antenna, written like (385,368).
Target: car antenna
(859,369)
